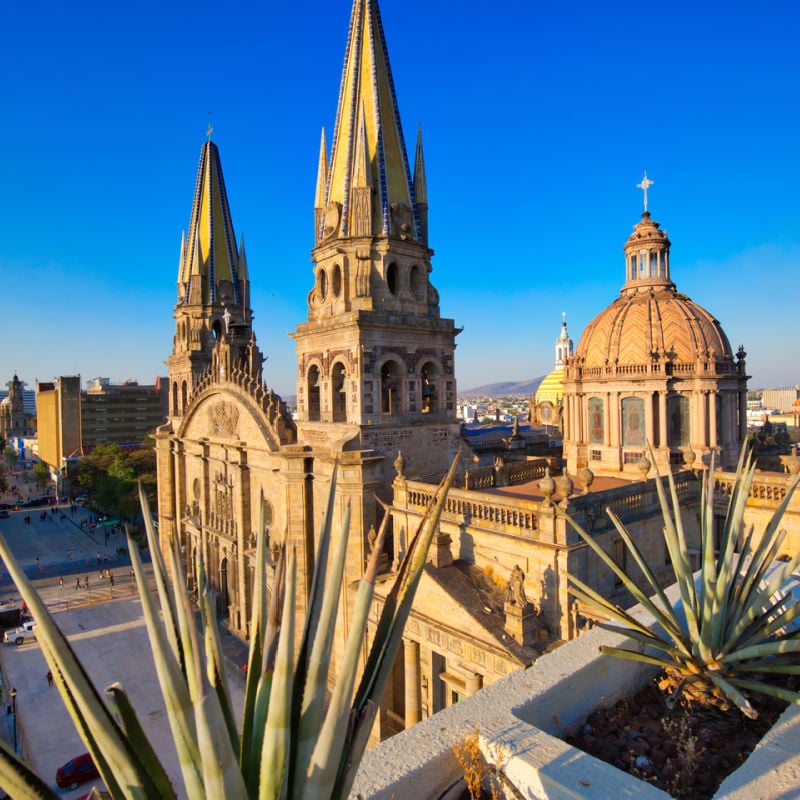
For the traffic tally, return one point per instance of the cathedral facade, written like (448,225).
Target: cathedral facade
(376,371)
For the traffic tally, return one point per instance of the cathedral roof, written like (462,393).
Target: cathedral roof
(208,252)
(651,320)
(368,148)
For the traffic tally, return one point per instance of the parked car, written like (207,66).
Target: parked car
(24,633)
(76,771)
(4,514)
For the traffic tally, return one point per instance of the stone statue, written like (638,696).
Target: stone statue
(515,588)
(372,536)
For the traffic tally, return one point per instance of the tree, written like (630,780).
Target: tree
(41,473)
(3,478)
(10,455)
(111,476)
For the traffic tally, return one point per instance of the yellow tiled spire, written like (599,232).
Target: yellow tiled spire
(368,108)
(209,267)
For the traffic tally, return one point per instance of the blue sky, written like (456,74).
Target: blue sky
(538,120)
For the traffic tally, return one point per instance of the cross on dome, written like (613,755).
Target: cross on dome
(644,186)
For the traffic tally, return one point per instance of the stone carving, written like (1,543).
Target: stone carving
(402,221)
(333,214)
(224,419)
(515,588)
(399,464)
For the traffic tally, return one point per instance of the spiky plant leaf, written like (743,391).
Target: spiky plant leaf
(737,611)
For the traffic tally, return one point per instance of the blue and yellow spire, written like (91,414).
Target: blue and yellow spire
(368,188)
(210,268)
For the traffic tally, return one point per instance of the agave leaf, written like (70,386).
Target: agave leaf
(221,775)
(778,647)
(317,676)
(139,741)
(215,675)
(99,730)
(767,688)
(163,587)
(678,557)
(264,686)
(635,655)
(173,685)
(761,598)
(732,693)
(20,781)
(384,650)
(666,616)
(258,622)
(586,594)
(656,642)
(361,725)
(277,738)
(670,621)
(326,757)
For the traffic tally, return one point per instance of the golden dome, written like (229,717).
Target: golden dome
(552,387)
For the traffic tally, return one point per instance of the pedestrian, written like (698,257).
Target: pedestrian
(49,677)
(111,578)
(61,583)
(77,584)
(37,561)
(86,583)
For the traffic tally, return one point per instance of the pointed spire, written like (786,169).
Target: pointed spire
(208,255)
(421,186)
(367,97)
(420,181)
(319,194)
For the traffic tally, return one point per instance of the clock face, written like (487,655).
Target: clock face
(544,412)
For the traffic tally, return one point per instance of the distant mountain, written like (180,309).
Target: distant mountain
(504,388)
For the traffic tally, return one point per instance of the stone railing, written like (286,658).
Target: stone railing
(513,473)
(506,515)
(768,489)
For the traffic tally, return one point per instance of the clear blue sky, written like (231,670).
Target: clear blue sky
(538,120)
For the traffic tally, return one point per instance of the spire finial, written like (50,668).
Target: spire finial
(644,186)
(210,128)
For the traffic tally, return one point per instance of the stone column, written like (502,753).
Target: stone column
(649,422)
(413,699)
(662,419)
(607,420)
(712,418)
(474,684)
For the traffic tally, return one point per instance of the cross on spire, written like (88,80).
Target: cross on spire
(644,186)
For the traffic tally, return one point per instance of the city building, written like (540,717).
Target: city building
(16,422)
(71,422)
(780,400)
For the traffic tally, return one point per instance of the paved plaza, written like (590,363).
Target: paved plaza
(106,627)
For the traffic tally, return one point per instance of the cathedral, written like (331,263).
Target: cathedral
(376,399)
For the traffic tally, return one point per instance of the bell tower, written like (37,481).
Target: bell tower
(375,358)
(213,320)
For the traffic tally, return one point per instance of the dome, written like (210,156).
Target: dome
(640,327)
(650,320)
(552,387)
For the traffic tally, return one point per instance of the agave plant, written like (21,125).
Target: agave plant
(296,741)
(733,629)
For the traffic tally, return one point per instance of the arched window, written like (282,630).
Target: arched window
(184,396)
(392,278)
(417,281)
(596,421)
(175,398)
(339,390)
(336,286)
(633,422)
(390,384)
(313,387)
(428,387)
(678,421)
